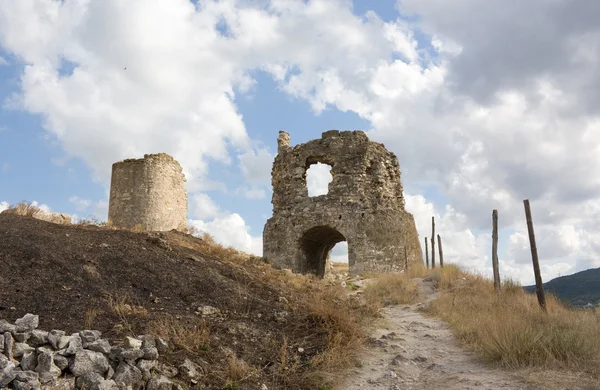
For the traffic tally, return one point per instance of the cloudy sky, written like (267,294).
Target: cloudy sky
(485,103)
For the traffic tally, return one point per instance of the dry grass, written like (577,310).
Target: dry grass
(391,289)
(237,371)
(192,337)
(24,208)
(511,330)
(90,318)
(446,277)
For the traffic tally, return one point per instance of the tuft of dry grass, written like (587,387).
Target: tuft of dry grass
(192,336)
(511,330)
(391,289)
(446,277)
(123,306)
(238,371)
(24,208)
(90,318)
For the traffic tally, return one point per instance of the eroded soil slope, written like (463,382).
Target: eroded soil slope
(125,283)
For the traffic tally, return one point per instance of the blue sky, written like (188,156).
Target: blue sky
(212,83)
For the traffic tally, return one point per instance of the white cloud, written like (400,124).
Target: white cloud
(256,166)
(231,230)
(485,117)
(79,203)
(318,177)
(3,61)
(204,206)
(3,206)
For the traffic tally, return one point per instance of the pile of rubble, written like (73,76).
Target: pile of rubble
(30,358)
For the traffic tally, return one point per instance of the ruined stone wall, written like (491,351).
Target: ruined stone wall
(364,206)
(148,193)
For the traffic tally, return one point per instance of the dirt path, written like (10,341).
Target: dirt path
(415,352)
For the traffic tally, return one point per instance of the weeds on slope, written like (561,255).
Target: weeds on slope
(511,330)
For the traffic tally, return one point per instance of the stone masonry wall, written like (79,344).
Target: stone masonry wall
(364,206)
(148,193)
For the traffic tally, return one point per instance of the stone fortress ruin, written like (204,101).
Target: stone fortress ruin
(148,194)
(364,207)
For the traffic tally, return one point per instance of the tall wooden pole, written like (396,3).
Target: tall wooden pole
(495,251)
(432,242)
(426,254)
(441,251)
(539,287)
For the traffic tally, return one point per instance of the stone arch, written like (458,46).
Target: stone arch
(364,206)
(314,247)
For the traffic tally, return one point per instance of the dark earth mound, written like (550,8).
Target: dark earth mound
(127,283)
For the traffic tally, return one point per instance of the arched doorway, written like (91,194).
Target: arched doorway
(315,246)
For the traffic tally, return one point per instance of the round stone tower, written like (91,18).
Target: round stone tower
(148,194)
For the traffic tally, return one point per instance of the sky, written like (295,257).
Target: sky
(485,103)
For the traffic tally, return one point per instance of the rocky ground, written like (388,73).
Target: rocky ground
(243,324)
(411,351)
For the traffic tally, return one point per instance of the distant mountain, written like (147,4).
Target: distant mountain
(578,289)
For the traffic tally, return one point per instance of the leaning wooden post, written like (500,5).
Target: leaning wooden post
(539,287)
(405,260)
(432,242)
(495,251)
(441,251)
(426,254)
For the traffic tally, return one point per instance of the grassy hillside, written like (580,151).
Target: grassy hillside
(267,327)
(578,289)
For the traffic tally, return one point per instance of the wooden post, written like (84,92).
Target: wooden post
(405,260)
(432,242)
(539,287)
(441,252)
(426,254)
(495,251)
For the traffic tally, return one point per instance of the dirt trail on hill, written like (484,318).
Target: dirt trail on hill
(415,352)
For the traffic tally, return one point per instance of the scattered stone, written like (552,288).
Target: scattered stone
(127,375)
(21,337)
(190,371)
(89,336)
(420,359)
(100,345)
(6,326)
(27,323)
(26,376)
(167,370)
(46,368)
(131,342)
(159,383)
(161,345)
(7,374)
(150,353)
(29,361)
(75,345)
(20,349)
(38,338)
(263,387)
(86,362)
(94,381)
(61,361)
(9,342)
(208,311)
(54,338)
(148,341)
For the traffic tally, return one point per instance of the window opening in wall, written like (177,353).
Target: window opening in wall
(318,177)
